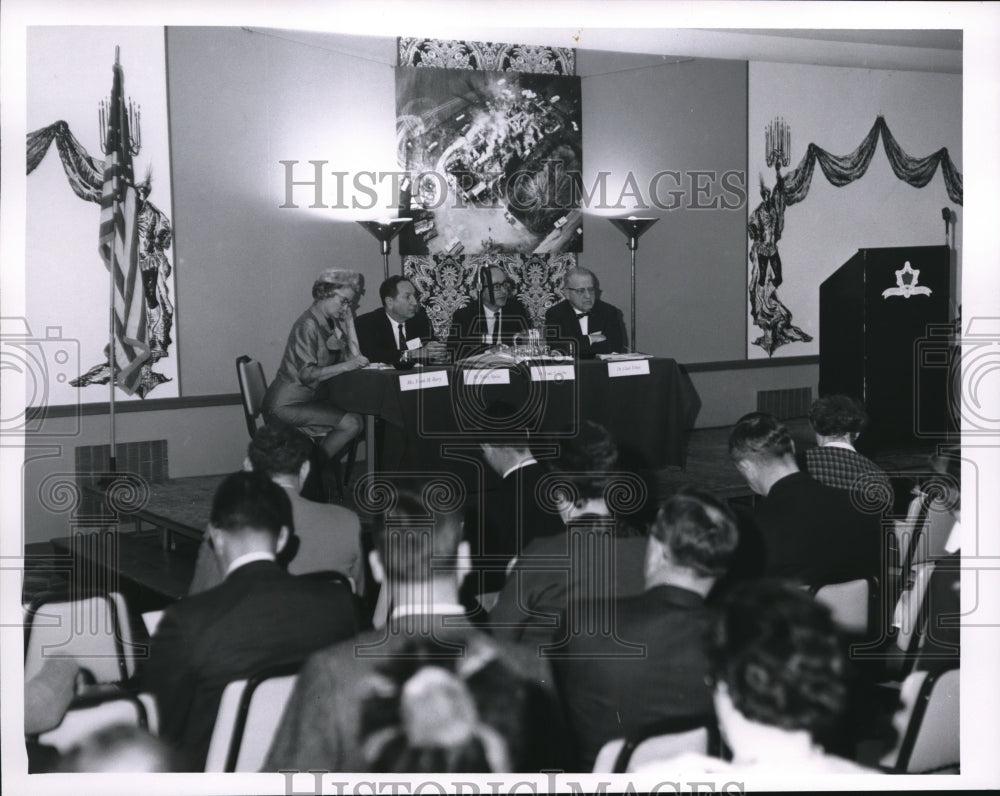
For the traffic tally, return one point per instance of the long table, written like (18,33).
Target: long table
(428,411)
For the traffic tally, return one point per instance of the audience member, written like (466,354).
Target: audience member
(781,685)
(492,320)
(431,712)
(420,559)
(324,537)
(318,349)
(811,533)
(399,326)
(649,665)
(595,326)
(553,581)
(120,749)
(837,421)
(259,616)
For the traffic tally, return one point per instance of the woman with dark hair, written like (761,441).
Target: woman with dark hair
(837,421)
(781,684)
(319,347)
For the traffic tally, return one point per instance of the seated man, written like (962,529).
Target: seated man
(257,617)
(399,325)
(489,321)
(652,666)
(552,582)
(837,420)
(811,533)
(324,537)
(420,559)
(595,326)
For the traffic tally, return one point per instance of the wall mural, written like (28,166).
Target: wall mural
(766,222)
(124,232)
(491,137)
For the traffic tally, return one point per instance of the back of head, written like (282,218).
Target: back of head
(278,449)
(699,531)
(251,502)
(761,437)
(588,461)
(120,749)
(837,416)
(778,653)
(417,542)
(430,710)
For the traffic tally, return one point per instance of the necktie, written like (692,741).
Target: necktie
(582,314)
(402,337)
(496,327)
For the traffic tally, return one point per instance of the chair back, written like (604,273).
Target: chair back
(253,387)
(658,742)
(92,628)
(248,717)
(928,724)
(89,713)
(853,604)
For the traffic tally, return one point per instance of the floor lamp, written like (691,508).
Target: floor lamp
(633,227)
(384,232)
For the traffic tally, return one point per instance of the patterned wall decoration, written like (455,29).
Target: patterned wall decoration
(448,278)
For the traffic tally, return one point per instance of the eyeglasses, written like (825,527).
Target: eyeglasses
(506,285)
(585,290)
(343,299)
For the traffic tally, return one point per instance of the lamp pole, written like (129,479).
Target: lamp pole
(633,228)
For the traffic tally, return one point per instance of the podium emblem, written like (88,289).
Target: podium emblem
(906,284)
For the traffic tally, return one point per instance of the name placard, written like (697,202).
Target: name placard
(480,376)
(556,373)
(629,367)
(423,380)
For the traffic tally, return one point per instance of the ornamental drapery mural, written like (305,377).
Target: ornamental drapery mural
(495,130)
(767,220)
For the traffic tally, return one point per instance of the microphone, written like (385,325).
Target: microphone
(484,277)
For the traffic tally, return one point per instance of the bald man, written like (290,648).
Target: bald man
(595,326)
(490,321)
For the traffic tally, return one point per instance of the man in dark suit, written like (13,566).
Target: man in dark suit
(648,665)
(555,581)
(420,558)
(399,325)
(257,617)
(489,321)
(811,533)
(595,326)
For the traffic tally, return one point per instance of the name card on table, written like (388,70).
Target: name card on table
(628,367)
(555,373)
(423,380)
(480,376)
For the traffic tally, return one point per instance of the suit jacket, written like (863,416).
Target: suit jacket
(259,616)
(468,325)
(812,533)
(326,537)
(550,579)
(378,337)
(322,726)
(610,687)
(604,317)
(846,469)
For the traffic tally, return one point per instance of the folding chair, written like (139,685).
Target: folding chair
(248,717)
(929,725)
(92,627)
(253,388)
(660,741)
(853,604)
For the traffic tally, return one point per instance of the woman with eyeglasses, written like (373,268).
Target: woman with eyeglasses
(320,347)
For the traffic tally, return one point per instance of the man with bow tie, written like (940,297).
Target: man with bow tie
(595,326)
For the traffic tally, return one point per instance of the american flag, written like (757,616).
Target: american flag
(119,245)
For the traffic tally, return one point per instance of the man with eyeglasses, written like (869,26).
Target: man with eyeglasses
(595,326)
(491,320)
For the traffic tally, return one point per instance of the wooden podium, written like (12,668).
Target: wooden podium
(885,339)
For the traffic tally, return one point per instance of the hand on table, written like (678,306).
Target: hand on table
(597,337)
(355,363)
